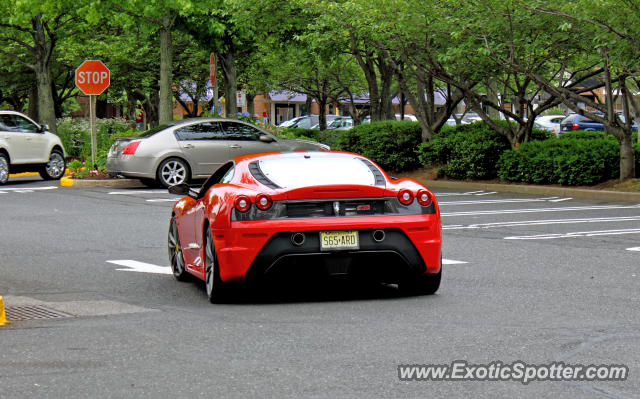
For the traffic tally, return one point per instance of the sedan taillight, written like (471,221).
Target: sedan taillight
(130,148)
(575,126)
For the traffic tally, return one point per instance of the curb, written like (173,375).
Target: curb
(3,318)
(69,182)
(31,174)
(536,190)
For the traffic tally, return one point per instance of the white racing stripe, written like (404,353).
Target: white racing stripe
(575,234)
(539,210)
(540,222)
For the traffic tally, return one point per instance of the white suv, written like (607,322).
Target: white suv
(26,146)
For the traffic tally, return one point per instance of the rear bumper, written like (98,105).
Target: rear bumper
(257,249)
(130,166)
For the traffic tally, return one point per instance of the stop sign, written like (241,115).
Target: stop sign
(92,77)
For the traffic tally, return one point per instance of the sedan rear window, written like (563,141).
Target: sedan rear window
(315,169)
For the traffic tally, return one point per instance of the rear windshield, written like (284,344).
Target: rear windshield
(152,131)
(316,169)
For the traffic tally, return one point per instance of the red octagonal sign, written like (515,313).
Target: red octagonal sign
(92,77)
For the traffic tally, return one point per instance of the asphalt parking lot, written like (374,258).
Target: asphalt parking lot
(529,278)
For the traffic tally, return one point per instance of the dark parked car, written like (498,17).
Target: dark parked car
(581,122)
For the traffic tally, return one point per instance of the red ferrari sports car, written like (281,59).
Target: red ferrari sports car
(278,215)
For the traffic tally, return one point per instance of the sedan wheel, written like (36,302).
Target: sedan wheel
(175,252)
(4,169)
(54,169)
(215,287)
(173,171)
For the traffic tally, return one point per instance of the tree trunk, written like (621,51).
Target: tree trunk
(42,52)
(627,158)
(322,113)
(309,104)
(33,103)
(250,105)
(131,108)
(230,85)
(152,118)
(45,99)
(165,108)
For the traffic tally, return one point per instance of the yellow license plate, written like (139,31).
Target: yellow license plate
(332,240)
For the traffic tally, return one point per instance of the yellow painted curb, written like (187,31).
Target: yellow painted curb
(25,174)
(31,174)
(3,318)
(66,182)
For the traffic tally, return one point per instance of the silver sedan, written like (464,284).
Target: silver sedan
(192,149)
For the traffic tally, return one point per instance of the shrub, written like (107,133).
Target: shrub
(571,161)
(465,151)
(391,144)
(75,135)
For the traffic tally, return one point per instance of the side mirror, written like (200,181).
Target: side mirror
(180,189)
(43,128)
(266,139)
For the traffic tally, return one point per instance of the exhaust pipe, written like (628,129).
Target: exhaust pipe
(297,239)
(378,235)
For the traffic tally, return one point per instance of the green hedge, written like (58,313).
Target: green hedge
(572,161)
(75,135)
(391,144)
(465,151)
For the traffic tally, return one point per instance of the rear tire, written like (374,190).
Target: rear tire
(426,284)
(4,169)
(173,171)
(176,259)
(54,169)
(216,289)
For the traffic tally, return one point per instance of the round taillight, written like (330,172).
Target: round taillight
(423,198)
(263,202)
(243,203)
(405,197)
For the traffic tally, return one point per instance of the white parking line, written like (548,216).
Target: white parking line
(141,267)
(487,193)
(452,262)
(560,199)
(495,201)
(462,194)
(123,192)
(539,210)
(634,249)
(575,234)
(540,222)
(163,199)
(6,190)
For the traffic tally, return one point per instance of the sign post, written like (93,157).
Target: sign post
(92,78)
(214,83)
